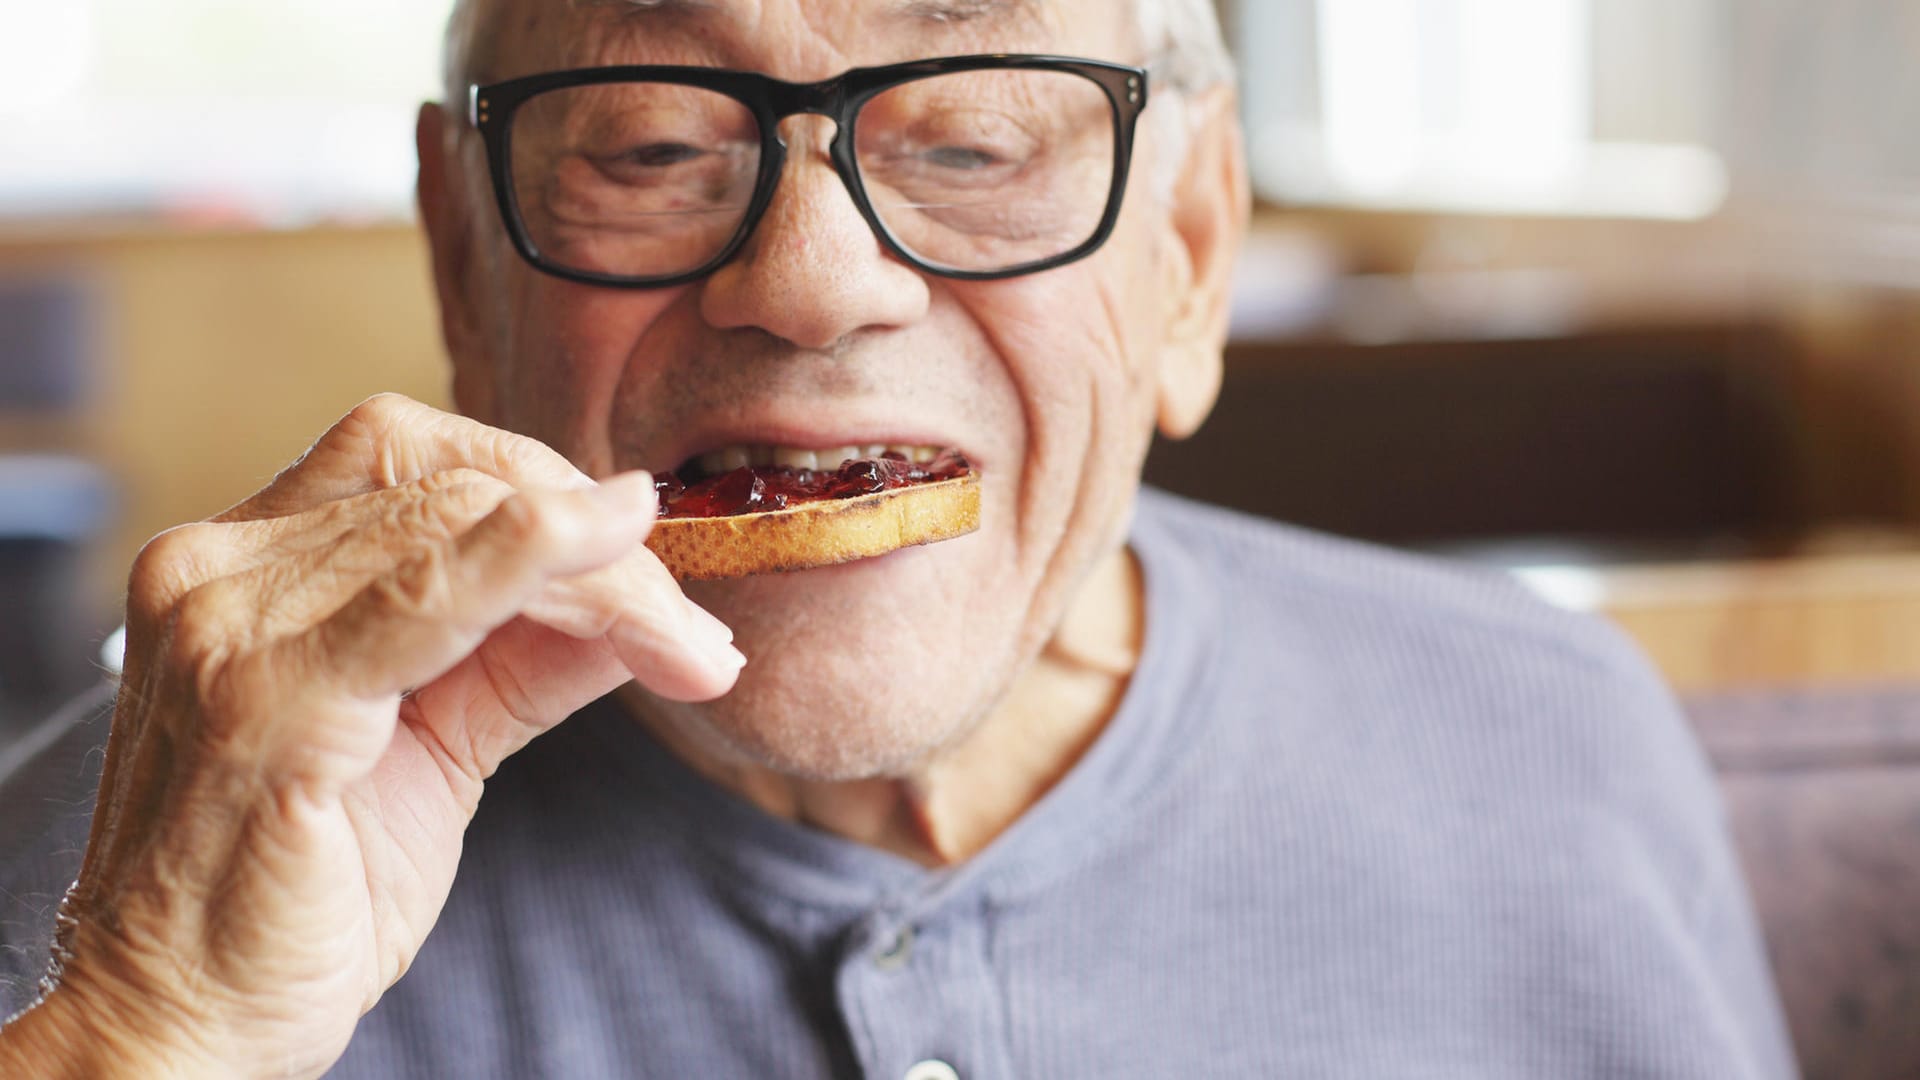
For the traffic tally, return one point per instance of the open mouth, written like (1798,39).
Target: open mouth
(755,479)
(744,510)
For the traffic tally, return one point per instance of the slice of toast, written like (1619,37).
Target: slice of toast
(817,533)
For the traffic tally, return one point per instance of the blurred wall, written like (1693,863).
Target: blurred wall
(223,354)
(1853,329)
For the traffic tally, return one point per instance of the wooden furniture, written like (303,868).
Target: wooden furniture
(1802,621)
(223,354)
(1822,791)
(1677,432)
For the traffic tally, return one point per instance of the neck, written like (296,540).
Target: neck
(952,805)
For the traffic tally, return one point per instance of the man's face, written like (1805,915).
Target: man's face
(814,337)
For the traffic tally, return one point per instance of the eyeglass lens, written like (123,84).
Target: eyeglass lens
(971,171)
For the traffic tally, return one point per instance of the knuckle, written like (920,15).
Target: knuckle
(200,641)
(451,479)
(460,507)
(600,611)
(446,513)
(529,522)
(230,702)
(420,588)
(371,426)
(169,565)
(381,411)
(509,689)
(517,455)
(201,618)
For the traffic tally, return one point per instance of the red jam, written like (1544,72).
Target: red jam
(756,489)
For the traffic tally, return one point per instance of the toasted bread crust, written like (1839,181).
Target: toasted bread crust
(817,533)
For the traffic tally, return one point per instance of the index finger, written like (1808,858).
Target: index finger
(389,440)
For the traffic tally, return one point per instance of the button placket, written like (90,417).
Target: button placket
(931,1069)
(896,952)
(919,999)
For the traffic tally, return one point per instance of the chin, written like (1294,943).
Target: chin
(857,671)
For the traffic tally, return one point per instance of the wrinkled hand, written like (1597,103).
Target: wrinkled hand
(317,684)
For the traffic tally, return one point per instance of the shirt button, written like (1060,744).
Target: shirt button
(931,1069)
(893,958)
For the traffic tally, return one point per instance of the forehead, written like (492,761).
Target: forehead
(794,39)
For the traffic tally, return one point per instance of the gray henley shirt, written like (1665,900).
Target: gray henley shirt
(1359,815)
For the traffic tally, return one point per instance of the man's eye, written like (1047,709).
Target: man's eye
(661,155)
(960,157)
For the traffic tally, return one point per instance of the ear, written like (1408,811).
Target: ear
(1210,208)
(446,212)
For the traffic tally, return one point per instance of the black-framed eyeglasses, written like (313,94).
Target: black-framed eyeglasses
(971,167)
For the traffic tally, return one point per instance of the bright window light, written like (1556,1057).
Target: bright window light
(1475,105)
(230,111)
(45,55)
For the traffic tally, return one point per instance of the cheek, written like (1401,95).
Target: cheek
(565,349)
(1078,347)
(1081,346)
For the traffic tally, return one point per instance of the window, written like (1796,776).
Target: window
(278,113)
(1522,106)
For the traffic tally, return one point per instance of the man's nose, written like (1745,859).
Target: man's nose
(813,272)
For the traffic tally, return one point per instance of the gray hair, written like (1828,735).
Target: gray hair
(1188,54)
(1183,42)
(1180,39)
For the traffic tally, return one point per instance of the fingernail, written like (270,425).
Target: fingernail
(713,639)
(629,495)
(709,625)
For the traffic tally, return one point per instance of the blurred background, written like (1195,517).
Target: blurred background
(1621,296)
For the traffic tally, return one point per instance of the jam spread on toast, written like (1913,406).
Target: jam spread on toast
(758,489)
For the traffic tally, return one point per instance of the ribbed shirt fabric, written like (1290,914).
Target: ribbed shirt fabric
(1359,815)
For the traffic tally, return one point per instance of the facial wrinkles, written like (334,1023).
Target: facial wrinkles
(991,363)
(546,377)
(686,373)
(615,34)
(554,386)
(692,373)
(804,39)
(1080,391)
(623,32)
(1111,399)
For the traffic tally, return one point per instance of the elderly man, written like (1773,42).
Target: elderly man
(1115,786)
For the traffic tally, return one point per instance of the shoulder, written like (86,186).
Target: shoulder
(1401,622)
(1438,686)
(1392,596)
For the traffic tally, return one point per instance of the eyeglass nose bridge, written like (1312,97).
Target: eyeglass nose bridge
(828,99)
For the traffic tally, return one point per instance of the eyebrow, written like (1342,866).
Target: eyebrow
(938,11)
(643,8)
(959,11)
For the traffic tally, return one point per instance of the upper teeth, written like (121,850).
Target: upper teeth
(729,458)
